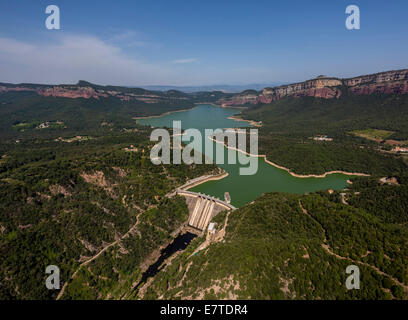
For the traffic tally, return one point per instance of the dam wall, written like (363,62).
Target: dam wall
(202,208)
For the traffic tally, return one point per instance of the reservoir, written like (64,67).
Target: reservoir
(243,189)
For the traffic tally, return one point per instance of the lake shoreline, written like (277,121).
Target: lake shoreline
(163,114)
(288,170)
(203,179)
(252,122)
(192,108)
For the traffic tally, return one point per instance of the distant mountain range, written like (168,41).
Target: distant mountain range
(175,97)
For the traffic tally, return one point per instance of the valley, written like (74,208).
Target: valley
(76,183)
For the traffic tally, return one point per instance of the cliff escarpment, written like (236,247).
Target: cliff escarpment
(88,91)
(390,82)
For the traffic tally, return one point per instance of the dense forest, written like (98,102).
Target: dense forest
(28,109)
(114,274)
(290,124)
(284,246)
(63,202)
(76,178)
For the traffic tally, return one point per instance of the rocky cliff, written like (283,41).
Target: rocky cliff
(88,92)
(391,82)
(385,82)
(394,82)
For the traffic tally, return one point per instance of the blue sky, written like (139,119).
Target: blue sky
(194,42)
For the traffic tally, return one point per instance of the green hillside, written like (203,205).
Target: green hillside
(64,202)
(293,247)
(86,116)
(290,124)
(76,180)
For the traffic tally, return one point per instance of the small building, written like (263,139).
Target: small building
(322,138)
(211,231)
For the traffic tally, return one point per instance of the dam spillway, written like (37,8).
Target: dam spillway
(203,208)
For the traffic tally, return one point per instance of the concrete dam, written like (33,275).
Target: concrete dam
(202,208)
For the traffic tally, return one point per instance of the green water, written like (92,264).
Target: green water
(243,189)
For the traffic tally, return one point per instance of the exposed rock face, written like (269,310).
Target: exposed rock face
(393,82)
(398,87)
(86,92)
(71,92)
(320,87)
(378,78)
(89,92)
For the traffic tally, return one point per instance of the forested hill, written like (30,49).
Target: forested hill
(298,247)
(357,133)
(84,107)
(64,202)
(309,115)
